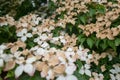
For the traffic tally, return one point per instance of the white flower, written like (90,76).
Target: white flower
(62,39)
(70,68)
(7,57)
(115,72)
(118,76)
(83,54)
(45,45)
(67,77)
(98,76)
(24,35)
(27,68)
(85,70)
(43,37)
(1,62)
(70,55)
(116,69)
(38,51)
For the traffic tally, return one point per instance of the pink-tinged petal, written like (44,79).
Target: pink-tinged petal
(88,72)
(61,78)
(9,65)
(19,71)
(29,69)
(71,77)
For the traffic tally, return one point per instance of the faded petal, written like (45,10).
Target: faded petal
(14,49)
(9,65)
(59,69)
(19,71)
(29,69)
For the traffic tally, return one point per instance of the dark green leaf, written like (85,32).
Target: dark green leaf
(90,42)
(117,41)
(92,12)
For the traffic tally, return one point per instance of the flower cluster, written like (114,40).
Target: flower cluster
(44,45)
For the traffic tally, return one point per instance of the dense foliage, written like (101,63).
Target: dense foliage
(60,39)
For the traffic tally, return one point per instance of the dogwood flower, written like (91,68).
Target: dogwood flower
(70,55)
(85,70)
(45,45)
(83,54)
(115,73)
(24,35)
(38,50)
(70,68)
(98,76)
(27,68)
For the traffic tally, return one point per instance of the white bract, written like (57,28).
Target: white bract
(85,70)
(115,73)
(24,35)
(83,54)
(27,68)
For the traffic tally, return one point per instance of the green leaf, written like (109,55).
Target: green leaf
(82,40)
(7,34)
(83,19)
(80,76)
(111,43)
(56,31)
(117,41)
(104,44)
(90,42)
(97,43)
(0,70)
(92,12)
(79,64)
(9,74)
(100,9)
